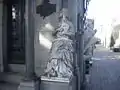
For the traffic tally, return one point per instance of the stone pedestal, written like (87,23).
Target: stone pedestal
(57,84)
(29,85)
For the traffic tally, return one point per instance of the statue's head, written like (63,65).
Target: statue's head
(64,29)
(63,14)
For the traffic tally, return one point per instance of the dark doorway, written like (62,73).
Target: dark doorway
(16,32)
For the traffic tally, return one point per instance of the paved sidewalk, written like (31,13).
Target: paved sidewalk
(105,73)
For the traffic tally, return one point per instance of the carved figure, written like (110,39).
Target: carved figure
(61,54)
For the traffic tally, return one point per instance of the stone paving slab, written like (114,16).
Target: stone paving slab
(8,86)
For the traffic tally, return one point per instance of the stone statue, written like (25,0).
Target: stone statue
(61,54)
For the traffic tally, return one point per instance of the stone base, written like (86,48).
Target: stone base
(57,84)
(29,85)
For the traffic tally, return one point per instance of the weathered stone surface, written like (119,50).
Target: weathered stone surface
(8,86)
(29,85)
(56,84)
(61,54)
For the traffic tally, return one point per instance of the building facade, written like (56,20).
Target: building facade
(26,36)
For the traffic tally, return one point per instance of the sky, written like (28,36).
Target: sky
(103,11)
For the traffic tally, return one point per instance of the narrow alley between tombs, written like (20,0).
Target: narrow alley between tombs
(105,72)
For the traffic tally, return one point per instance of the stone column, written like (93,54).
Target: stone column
(81,62)
(29,37)
(73,12)
(1,27)
(30,82)
(76,12)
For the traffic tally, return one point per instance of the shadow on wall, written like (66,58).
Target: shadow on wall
(43,41)
(42,47)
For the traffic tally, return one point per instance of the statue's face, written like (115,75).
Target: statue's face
(63,13)
(63,29)
(65,26)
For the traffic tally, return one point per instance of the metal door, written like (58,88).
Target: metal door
(16,34)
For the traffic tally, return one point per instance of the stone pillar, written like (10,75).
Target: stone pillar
(30,82)
(72,10)
(1,28)
(76,12)
(81,62)
(29,37)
